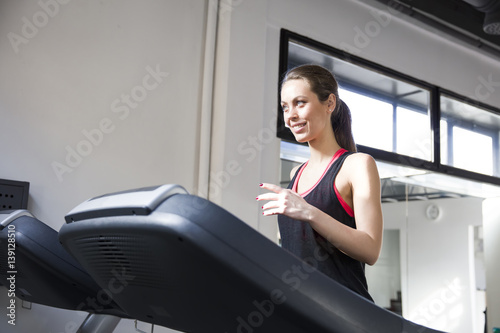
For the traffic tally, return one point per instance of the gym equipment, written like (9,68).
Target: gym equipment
(187,264)
(35,268)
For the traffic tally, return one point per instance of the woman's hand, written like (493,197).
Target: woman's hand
(285,202)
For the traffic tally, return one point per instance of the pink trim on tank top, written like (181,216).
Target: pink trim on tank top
(341,200)
(344,204)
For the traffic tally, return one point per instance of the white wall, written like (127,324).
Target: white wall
(127,72)
(87,71)
(437,273)
(491,223)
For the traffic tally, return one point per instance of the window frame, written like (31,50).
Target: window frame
(432,165)
(478,129)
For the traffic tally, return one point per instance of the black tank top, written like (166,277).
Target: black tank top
(302,240)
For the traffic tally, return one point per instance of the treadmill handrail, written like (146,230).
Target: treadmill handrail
(12,215)
(138,202)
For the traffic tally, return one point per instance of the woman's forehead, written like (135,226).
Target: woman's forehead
(292,88)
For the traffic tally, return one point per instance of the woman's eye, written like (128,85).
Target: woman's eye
(284,108)
(300,103)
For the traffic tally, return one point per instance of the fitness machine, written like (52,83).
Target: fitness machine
(35,268)
(187,264)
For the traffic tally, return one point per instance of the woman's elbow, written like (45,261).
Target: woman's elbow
(371,260)
(371,251)
(372,257)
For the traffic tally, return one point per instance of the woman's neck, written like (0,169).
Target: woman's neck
(322,151)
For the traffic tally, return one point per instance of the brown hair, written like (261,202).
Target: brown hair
(323,83)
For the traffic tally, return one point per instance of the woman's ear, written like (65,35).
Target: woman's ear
(332,102)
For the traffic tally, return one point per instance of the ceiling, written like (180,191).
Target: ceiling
(463,19)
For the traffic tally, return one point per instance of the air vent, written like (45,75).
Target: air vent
(105,256)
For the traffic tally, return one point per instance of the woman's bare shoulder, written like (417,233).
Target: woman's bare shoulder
(360,162)
(294,170)
(360,158)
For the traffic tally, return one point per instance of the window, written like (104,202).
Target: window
(383,125)
(469,137)
(413,133)
(401,120)
(372,120)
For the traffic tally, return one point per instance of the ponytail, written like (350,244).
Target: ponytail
(342,126)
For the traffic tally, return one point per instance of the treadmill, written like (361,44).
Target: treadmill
(187,264)
(35,268)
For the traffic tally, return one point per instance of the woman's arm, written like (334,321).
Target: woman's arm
(362,243)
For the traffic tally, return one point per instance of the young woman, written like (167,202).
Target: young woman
(331,211)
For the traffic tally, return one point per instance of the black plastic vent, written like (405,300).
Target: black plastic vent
(108,256)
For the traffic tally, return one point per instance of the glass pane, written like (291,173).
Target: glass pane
(469,137)
(444,141)
(472,151)
(413,134)
(371,120)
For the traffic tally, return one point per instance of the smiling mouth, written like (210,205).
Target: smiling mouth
(298,126)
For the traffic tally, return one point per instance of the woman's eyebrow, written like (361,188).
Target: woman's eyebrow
(296,98)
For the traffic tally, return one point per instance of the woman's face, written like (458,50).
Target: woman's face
(304,114)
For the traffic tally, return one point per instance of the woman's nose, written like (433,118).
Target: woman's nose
(287,117)
(292,113)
